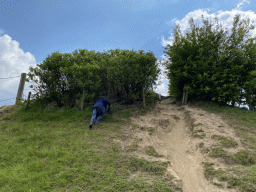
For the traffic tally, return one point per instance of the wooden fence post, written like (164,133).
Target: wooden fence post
(28,98)
(185,96)
(143,95)
(82,103)
(21,87)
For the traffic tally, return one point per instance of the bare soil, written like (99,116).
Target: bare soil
(173,139)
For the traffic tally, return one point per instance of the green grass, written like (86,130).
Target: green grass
(225,142)
(152,152)
(134,146)
(54,150)
(151,130)
(217,184)
(217,152)
(196,134)
(243,162)
(198,124)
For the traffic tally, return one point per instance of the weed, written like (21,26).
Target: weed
(152,152)
(156,167)
(151,130)
(201,144)
(223,178)
(198,124)
(244,157)
(116,147)
(217,152)
(233,182)
(209,171)
(225,142)
(217,184)
(201,136)
(134,146)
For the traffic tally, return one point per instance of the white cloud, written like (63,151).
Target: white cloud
(13,62)
(225,18)
(161,89)
(242,3)
(162,81)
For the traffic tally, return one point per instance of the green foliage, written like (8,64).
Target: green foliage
(209,171)
(151,97)
(129,72)
(234,182)
(152,152)
(85,71)
(117,74)
(244,157)
(134,146)
(213,66)
(156,167)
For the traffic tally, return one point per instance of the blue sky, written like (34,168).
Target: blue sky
(30,30)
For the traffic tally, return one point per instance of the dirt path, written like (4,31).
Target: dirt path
(173,139)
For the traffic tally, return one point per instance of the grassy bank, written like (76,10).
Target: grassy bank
(53,149)
(242,163)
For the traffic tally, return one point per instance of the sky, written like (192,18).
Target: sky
(30,30)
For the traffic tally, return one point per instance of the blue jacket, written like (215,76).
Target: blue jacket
(102,104)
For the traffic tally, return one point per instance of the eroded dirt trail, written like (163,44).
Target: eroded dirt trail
(173,139)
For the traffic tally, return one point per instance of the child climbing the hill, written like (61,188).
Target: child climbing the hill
(99,108)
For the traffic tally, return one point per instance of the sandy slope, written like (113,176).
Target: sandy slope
(173,139)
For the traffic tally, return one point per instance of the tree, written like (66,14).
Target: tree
(124,73)
(85,71)
(209,62)
(129,72)
(50,75)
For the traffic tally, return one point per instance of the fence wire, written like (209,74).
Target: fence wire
(9,78)
(8,99)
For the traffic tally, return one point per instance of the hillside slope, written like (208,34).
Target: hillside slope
(168,147)
(177,133)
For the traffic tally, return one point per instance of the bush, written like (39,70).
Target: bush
(151,97)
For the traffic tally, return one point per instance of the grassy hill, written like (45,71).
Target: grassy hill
(52,149)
